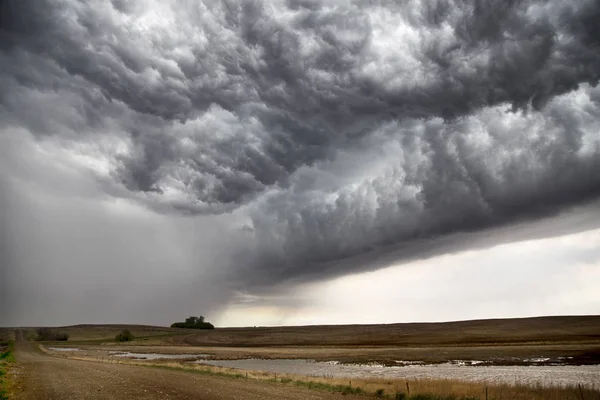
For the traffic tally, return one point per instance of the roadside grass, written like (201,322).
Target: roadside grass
(397,389)
(6,359)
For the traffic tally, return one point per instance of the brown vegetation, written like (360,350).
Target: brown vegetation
(108,332)
(442,388)
(468,333)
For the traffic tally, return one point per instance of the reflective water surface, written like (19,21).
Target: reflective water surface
(156,356)
(559,375)
(63,349)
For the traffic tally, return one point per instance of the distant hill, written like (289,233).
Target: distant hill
(476,332)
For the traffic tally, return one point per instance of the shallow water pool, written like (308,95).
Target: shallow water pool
(560,375)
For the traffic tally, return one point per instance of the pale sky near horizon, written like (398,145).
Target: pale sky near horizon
(267,162)
(553,276)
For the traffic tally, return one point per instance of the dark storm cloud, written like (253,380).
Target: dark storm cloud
(330,130)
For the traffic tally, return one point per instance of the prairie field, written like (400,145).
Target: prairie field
(559,341)
(542,330)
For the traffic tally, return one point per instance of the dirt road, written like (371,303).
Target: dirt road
(41,376)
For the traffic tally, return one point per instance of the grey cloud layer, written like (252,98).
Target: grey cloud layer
(330,128)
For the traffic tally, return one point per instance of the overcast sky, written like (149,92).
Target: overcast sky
(298,161)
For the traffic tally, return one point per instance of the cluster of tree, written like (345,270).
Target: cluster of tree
(124,336)
(50,335)
(193,323)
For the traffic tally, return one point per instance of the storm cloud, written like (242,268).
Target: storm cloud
(318,130)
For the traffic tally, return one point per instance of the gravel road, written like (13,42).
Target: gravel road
(41,376)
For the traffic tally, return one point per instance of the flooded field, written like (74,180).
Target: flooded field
(130,354)
(564,375)
(156,356)
(63,349)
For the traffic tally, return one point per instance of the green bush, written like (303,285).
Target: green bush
(400,396)
(124,336)
(351,390)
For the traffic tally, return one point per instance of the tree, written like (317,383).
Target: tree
(193,323)
(194,320)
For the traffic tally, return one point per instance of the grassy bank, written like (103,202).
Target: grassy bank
(6,359)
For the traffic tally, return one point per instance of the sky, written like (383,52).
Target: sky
(276,162)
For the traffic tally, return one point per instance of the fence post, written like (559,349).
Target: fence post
(350,382)
(580,391)
(407,389)
(486,393)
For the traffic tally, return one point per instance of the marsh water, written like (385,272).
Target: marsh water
(156,356)
(139,356)
(559,375)
(63,349)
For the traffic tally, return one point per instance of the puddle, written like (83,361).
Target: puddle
(537,359)
(405,363)
(157,356)
(63,349)
(466,363)
(562,375)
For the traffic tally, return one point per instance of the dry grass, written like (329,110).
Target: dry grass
(388,355)
(459,389)
(542,330)
(506,341)
(100,333)
(6,334)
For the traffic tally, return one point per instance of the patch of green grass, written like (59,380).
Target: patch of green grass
(6,358)
(344,389)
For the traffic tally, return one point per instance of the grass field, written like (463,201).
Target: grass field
(508,341)
(576,329)
(505,341)
(574,340)
(102,333)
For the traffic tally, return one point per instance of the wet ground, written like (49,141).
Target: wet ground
(557,375)
(157,356)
